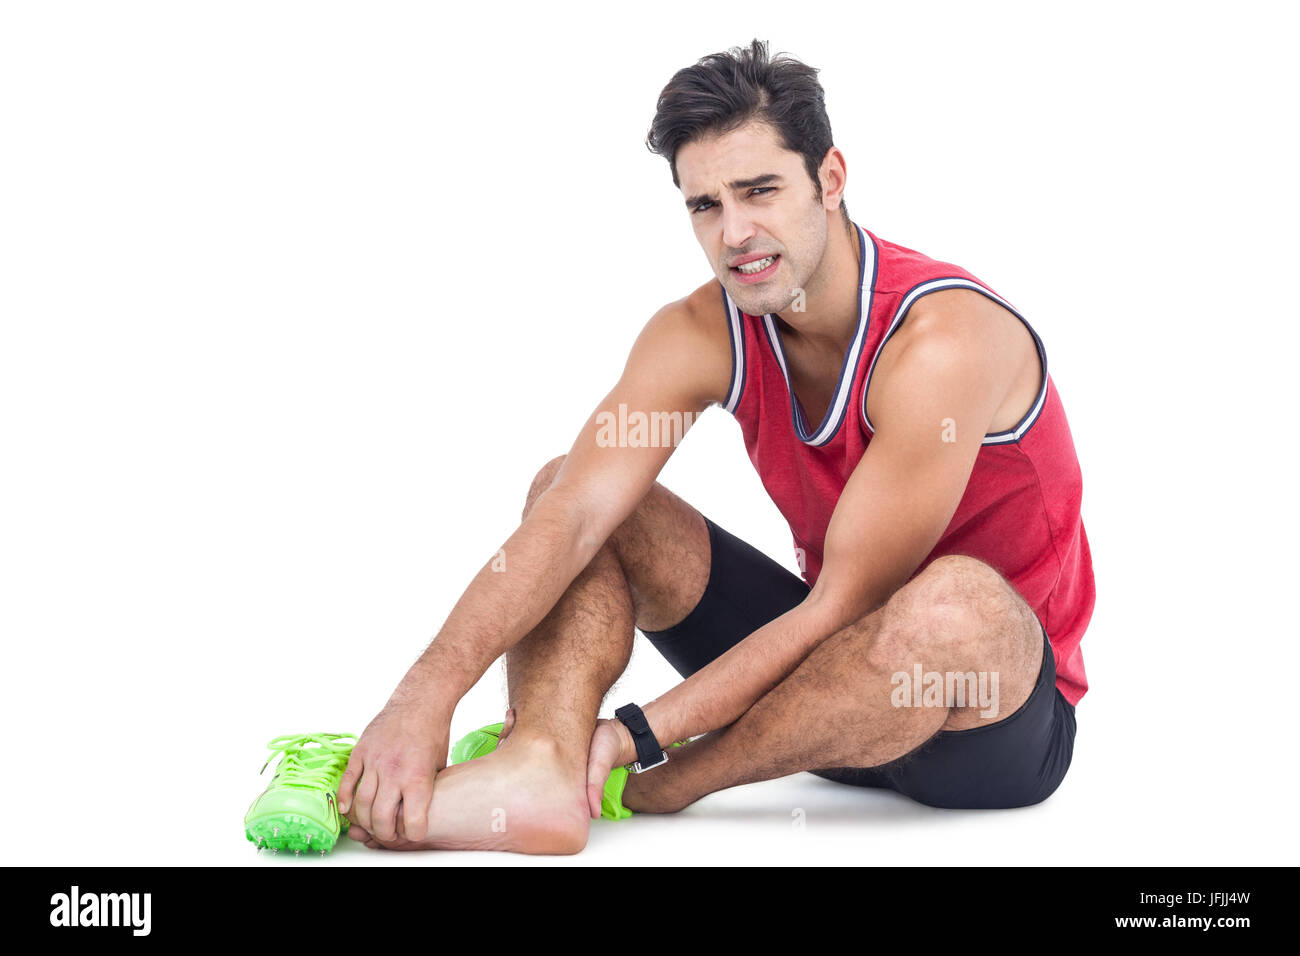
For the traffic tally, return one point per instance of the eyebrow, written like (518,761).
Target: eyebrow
(763,180)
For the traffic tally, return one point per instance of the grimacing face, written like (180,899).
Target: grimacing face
(749,198)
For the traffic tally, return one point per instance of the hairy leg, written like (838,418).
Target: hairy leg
(651,573)
(835,709)
(559,672)
(530,793)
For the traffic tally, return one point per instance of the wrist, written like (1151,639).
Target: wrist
(658,721)
(643,742)
(445,670)
(627,746)
(421,693)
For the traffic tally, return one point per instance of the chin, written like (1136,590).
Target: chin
(758,301)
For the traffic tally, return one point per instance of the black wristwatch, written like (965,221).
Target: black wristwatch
(648,752)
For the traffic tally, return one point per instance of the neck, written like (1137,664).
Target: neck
(831,299)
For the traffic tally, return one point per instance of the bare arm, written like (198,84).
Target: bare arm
(674,368)
(678,364)
(942,370)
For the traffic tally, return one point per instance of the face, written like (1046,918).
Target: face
(753,205)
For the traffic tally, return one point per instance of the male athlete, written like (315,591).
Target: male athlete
(900,415)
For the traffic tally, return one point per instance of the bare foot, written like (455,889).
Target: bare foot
(527,798)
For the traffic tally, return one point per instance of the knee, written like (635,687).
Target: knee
(938,611)
(956,580)
(541,481)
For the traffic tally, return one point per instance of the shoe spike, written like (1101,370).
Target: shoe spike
(275,831)
(309,839)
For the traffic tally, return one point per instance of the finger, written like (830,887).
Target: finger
(383,814)
(358,833)
(593,801)
(377,844)
(351,774)
(415,809)
(365,798)
(509,723)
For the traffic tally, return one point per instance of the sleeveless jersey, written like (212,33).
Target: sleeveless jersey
(1020,510)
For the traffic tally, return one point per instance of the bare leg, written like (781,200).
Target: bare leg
(529,795)
(835,709)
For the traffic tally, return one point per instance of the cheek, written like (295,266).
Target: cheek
(709,248)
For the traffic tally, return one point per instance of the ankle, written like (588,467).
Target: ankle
(534,744)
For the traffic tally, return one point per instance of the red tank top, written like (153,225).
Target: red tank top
(1020,510)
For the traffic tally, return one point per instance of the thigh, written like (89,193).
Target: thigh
(744,590)
(1015,762)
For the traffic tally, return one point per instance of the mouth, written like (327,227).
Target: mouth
(756,270)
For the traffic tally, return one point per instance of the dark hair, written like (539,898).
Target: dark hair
(724,91)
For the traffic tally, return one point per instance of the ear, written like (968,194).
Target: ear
(834,177)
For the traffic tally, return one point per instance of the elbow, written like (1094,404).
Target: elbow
(565,524)
(832,609)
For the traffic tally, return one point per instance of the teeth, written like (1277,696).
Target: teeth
(758,265)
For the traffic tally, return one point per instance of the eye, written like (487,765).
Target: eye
(703,207)
(762,189)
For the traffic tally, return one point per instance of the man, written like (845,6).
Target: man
(926,470)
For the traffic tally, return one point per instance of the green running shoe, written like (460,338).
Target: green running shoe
(484,740)
(299,810)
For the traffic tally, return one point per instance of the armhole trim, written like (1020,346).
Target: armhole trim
(1009,436)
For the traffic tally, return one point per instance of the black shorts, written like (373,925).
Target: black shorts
(1014,762)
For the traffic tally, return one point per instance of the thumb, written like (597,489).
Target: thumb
(347,784)
(598,767)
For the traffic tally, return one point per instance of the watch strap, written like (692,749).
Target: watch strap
(648,752)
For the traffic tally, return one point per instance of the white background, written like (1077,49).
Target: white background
(296,298)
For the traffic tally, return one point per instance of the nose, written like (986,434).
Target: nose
(737,225)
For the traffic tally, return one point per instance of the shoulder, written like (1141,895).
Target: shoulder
(958,313)
(697,319)
(705,308)
(690,337)
(957,346)
(961,328)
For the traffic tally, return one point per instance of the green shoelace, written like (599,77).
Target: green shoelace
(315,767)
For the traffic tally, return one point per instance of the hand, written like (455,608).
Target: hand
(388,784)
(611,746)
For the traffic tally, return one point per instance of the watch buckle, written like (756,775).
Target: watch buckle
(663,759)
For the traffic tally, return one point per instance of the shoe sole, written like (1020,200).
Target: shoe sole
(290,831)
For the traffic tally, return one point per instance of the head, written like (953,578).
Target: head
(749,144)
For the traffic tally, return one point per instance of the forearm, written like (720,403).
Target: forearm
(508,597)
(721,692)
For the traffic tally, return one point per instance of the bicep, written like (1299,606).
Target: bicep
(933,412)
